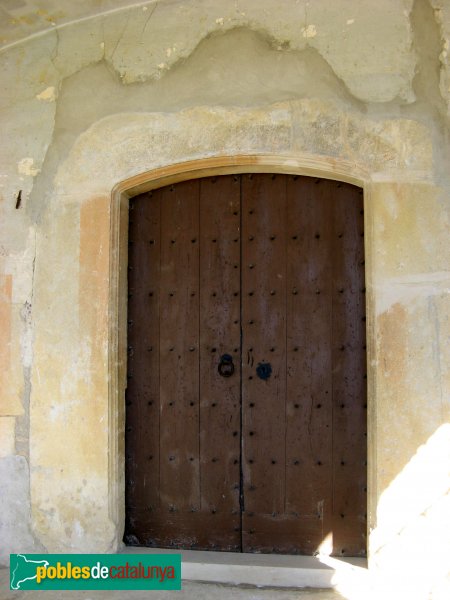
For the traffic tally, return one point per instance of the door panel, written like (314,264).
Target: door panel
(349,370)
(309,317)
(220,334)
(263,342)
(142,397)
(186,279)
(178,372)
(264,220)
(268,269)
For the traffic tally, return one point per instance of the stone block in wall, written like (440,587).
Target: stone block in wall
(7,433)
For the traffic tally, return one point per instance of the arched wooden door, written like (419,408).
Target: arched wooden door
(246,397)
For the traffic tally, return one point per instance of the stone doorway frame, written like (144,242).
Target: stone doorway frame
(312,166)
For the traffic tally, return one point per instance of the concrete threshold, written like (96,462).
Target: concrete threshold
(262,570)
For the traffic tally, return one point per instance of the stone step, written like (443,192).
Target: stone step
(264,570)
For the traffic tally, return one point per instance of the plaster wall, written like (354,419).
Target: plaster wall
(98,102)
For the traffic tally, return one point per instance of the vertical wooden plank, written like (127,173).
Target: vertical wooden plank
(263,342)
(142,394)
(220,334)
(179,348)
(349,372)
(309,381)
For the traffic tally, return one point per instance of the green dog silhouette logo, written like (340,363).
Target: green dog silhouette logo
(24,569)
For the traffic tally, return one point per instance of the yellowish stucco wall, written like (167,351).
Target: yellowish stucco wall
(354,90)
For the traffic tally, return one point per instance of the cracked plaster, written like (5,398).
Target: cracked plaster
(141,44)
(346,34)
(442,15)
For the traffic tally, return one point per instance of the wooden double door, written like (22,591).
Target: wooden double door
(246,391)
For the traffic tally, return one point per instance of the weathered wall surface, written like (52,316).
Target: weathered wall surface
(93,96)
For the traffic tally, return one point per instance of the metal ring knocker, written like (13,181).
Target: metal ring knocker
(264,371)
(226,366)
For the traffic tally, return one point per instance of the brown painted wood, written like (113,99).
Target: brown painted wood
(309,314)
(194,309)
(220,334)
(179,348)
(187,530)
(349,371)
(264,342)
(142,395)
(244,463)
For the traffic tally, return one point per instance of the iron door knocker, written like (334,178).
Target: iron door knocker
(226,366)
(264,370)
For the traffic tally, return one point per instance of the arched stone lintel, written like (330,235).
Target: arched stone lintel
(309,165)
(307,135)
